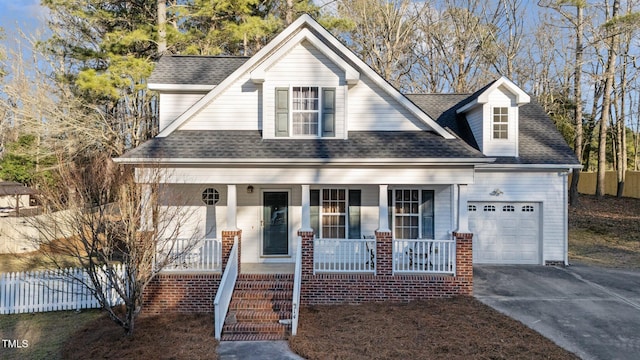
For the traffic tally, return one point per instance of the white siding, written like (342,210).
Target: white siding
(474,118)
(174,104)
(500,147)
(371,109)
(304,65)
(547,188)
(236,108)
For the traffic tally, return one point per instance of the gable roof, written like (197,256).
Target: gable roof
(482,96)
(539,142)
(322,35)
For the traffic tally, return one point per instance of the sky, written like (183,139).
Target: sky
(25,15)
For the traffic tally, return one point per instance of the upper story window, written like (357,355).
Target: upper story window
(500,123)
(305,111)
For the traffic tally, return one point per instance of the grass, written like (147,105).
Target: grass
(602,232)
(45,333)
(605,232)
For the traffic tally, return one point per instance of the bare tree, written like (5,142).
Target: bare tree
(605,114)
(107,217)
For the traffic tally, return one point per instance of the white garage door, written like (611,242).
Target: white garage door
(505,232)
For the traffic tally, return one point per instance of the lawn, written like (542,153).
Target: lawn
(603,232)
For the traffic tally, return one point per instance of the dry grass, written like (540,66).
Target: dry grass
(459,328)
(605,232)
(168,336)
(45,333)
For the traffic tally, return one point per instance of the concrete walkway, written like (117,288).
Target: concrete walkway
(592,312)
(272,350)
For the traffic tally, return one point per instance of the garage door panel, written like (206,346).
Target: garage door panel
(505,233)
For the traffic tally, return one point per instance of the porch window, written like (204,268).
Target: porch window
(335,213)
(413,214)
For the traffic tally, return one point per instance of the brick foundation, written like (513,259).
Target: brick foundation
(181,293)
(384,286)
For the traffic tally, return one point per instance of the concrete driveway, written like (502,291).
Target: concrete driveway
(590,311)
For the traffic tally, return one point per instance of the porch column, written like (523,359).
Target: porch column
(306,209)
(232,227)
(463,210)
(383,209)
(232,208)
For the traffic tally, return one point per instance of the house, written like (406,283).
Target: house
(315,165)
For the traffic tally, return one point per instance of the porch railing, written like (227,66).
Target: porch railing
(225,290)
(206,255)
(297,284)
(424,256)
(344,255)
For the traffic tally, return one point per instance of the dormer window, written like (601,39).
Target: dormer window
(305,111)
(500,123)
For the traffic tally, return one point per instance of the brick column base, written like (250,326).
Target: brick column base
(464,257)
(307,252)
(227,243)
(384,253)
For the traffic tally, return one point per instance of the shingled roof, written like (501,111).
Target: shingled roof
(194,70)
(247,144)
(539,140)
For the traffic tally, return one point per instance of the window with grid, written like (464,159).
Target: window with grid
(500,123)
(413,214)
(334,213)
(305,110)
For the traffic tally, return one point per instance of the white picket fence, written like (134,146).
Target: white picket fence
(50,290)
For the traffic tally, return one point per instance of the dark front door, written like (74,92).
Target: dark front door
(275,215)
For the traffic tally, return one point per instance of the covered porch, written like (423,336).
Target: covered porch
(347,223)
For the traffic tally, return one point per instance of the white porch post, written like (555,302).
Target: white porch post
(463,211)
(306,209)
(383,209)
(232,208)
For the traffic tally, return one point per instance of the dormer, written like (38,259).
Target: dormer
(493,117)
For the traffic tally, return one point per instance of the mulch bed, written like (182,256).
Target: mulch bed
(435,329)
(167,336)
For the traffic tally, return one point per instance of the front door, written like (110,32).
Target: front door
(275,220)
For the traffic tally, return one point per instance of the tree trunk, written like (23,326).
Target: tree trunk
(577,90)
(606,107)
(162,27)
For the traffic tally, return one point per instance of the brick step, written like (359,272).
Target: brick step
(265,277)
(262,295)
(264,285)
(259,304)
(252,337)
(257,316)
(257,329)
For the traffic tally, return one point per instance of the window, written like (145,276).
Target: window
(508,208)
(309,111)
(413,214)
(489,208)
(305,110)
(210,196)
(528,208)
(500,123)
(335,213)
(472,208)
